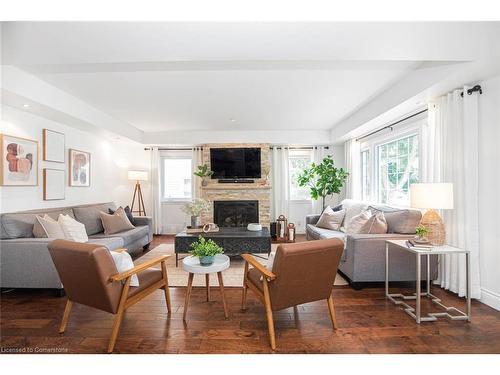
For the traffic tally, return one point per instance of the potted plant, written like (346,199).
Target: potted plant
(205,250)
(323,179)
(203,172)
(421,233)
(194,208)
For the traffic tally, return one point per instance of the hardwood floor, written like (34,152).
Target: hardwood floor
(367,324)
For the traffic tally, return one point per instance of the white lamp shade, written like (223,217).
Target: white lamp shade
(138,175)
(437,196)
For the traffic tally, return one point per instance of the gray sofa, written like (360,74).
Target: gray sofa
(25,261)
(363,260)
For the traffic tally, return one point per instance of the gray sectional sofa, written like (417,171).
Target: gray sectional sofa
(25,261)
(363,260)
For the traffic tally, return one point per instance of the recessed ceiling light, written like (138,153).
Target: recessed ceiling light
(26,105)
(232,120)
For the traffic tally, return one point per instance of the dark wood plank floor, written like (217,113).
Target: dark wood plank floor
(367,324)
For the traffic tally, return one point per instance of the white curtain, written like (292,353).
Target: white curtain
(280,183)
(319,153)
(156,191)
(450,154)
(353,167)
(197,159)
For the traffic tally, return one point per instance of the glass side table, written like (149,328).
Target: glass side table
(415,313)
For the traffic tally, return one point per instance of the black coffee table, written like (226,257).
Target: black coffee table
(235,241)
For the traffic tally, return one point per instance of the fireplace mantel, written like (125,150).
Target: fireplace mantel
(235,187)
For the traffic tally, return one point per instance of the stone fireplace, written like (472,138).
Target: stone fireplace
(236,213)
(258,192)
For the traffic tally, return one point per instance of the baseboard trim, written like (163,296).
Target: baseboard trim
(490,298)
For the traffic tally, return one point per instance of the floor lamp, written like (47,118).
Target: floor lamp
(138,176)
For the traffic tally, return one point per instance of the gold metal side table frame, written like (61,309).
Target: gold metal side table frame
(415,313)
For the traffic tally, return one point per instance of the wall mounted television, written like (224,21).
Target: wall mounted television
(234,163)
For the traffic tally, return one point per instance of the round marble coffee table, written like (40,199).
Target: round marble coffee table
(192,265)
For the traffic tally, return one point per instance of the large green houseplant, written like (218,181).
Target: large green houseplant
(323,179)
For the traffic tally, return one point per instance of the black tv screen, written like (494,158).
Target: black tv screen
(235,162)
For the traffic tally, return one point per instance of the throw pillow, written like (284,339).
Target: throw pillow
(331,219)
(118,222)
(73,230)
(38,231)
(376,224)
(128,212)
(123,262)
(356,224)
(51,227)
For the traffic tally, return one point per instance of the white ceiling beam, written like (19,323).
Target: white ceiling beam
(20,87)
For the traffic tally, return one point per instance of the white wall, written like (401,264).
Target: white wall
(110,161)
(489,191)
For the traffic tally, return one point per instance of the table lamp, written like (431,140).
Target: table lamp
(138,176)
(432,196)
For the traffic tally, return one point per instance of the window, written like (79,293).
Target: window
(365,177)
(176,178)
(397,168)
(297,161)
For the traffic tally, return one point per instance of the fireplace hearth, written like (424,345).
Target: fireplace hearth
(236,213)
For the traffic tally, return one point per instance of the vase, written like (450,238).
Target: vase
(206,260)
(204,182)
(195,221)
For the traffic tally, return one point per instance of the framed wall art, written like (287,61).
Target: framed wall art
(53,146)
(79,168)
(53,184)
(19,165)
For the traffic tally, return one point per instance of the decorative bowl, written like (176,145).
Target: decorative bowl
(254,227)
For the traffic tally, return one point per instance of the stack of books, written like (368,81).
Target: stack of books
(412,244)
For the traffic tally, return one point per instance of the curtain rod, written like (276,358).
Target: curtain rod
(174,149)
(391,125)
(299,148)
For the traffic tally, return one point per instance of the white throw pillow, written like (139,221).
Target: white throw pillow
(123,262)
(270,261)
(358,222)
(51,227)
(330,219)
(73,230)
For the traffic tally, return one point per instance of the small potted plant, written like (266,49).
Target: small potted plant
(421,233)
(205,250)
(203,172)
(194,208)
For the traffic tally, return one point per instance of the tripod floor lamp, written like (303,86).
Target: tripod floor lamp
(138,176)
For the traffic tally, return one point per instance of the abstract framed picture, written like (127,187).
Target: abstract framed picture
(79,168)
(53,146)
(53,184)
(19,166)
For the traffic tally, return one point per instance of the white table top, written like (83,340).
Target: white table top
(445,249)
(192,264)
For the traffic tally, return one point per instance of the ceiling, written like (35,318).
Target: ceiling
(161,77)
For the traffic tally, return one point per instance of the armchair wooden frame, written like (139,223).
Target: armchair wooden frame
(125,300)
(264,296)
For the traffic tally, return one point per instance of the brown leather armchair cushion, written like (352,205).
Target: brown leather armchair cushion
(305,272)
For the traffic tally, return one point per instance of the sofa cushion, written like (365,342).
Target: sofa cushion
(128,236)
(90,216)
(20,225)
(324,233)
(111,243)
(401,221)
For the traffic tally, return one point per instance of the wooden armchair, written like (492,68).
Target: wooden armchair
(89,276)
(302,272)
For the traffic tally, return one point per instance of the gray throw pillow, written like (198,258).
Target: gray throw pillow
(118,222)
